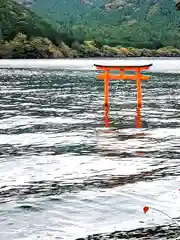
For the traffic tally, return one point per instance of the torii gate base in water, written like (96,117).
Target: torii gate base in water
(107,75)
(107,121)
(138,77)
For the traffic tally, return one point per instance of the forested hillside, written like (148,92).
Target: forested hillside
(24,34)
(129,23)
(14,19)
(115,29)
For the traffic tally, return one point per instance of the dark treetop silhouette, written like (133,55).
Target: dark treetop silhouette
(178,5)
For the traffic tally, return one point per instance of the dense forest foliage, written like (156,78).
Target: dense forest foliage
(130,23)
(14,18)
(24,34)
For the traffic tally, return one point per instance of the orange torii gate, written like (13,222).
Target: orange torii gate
(106,76)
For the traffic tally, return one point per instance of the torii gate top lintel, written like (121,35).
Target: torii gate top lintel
(132,67)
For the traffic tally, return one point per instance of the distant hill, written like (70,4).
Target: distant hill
(25,34)
(136,23)
(15,18)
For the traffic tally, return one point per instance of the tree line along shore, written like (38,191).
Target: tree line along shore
(24,47)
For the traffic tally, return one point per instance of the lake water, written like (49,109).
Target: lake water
(63,174)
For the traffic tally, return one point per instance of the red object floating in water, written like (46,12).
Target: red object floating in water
(145,209)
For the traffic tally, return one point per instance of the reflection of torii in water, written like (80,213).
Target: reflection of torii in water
(107,144)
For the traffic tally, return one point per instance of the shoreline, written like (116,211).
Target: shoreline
(152,233)
(99,58)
